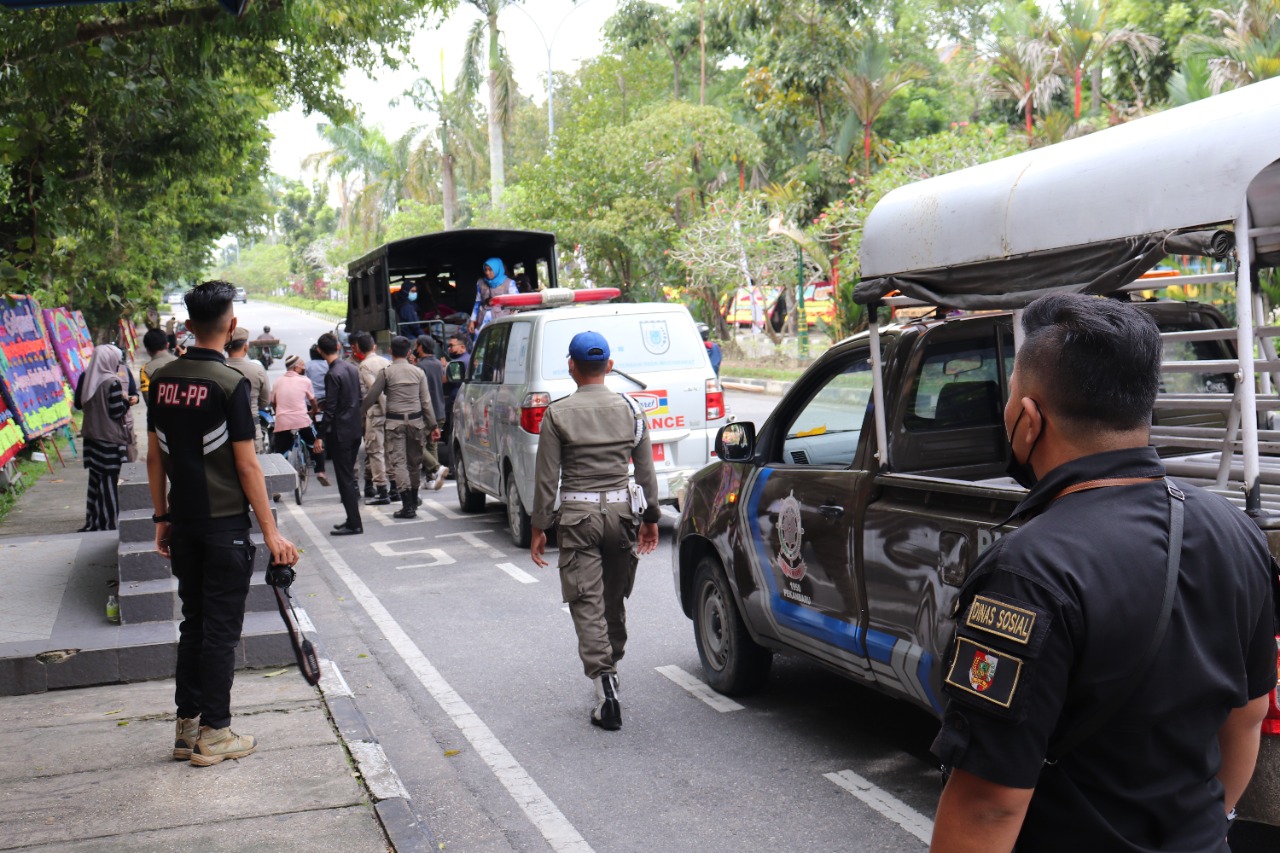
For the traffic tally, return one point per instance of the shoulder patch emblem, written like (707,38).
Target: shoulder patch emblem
(1001,619)
(984,672)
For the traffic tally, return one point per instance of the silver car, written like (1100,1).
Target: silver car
(519,366)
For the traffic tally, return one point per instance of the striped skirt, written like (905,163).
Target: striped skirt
(103,460)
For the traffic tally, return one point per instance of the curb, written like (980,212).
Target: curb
(391,800)
(775,387)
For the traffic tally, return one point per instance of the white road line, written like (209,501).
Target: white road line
(383,518)
(701,691)
(438,557)
(474,540)
(517,573)
(537,806)
(885,803)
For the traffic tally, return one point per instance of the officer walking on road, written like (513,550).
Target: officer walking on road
(259,383)
(1113,655)
(200,442)
(586,442)
(410,413)
(375,449)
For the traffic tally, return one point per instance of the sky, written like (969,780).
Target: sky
(571,29)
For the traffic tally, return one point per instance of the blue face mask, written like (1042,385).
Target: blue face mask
(413,296)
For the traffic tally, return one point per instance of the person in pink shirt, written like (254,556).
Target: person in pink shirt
(294,399)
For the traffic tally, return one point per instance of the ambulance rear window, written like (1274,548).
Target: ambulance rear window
(638,343)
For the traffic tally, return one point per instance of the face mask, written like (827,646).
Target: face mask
(1022,472)
(413,296)
(359,356)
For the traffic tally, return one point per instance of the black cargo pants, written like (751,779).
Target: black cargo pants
(213,569)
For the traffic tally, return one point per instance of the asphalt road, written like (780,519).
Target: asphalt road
(463,658)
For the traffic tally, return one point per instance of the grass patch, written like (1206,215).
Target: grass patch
(336,310)
(32,470)
(751,371)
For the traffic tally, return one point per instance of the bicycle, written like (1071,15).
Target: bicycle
(299,457)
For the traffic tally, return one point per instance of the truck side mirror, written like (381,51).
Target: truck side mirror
(736,442)
(455,372)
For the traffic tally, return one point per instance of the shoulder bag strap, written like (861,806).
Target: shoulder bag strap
(1104,710)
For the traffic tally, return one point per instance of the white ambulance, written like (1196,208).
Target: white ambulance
(519,366)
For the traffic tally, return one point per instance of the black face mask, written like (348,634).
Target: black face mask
(1022,472)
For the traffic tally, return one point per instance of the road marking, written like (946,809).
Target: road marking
(885,803)
(381,516)
(723,704)
(533,801)
(439,557)
(517,573)
(474,540)
(486,517)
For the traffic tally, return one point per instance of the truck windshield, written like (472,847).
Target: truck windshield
(638,343)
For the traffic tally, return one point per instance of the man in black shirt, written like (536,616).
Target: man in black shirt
(341,430)
(200,439)
(1064,616)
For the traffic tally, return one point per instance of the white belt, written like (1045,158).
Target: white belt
(614,496)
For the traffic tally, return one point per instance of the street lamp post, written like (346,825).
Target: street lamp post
(551,116)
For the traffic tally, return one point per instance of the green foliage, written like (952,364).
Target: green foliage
(260,269)
(134,134)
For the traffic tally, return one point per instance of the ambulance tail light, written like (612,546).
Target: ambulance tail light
(532,410)
(1271,723)
(715,400)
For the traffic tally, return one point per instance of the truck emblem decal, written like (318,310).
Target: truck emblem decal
(790,533)
(655,336)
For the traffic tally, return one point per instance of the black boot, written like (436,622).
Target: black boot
(393,494)
(408,509)
(608,711)
(382,498)
(368,484)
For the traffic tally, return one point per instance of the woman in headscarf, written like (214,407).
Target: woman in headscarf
(106,435)
(496,282)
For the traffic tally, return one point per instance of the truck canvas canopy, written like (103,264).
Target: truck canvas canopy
(447,264)
(1090,215)
(1093,214)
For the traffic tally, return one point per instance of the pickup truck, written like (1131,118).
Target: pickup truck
(843,530)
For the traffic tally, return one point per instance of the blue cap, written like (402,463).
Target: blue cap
(589,346)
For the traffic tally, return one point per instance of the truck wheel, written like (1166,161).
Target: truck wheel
(518,521)
(468,500)
(733,663)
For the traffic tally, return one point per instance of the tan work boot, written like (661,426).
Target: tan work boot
(184,737)
(213,745)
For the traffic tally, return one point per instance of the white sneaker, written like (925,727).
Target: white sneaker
(437,482)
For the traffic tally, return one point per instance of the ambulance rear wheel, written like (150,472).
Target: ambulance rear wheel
(732,662)
(469,500)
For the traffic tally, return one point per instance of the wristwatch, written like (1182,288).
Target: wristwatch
(159,518)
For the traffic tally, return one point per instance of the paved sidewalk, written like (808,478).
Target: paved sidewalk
(90,770)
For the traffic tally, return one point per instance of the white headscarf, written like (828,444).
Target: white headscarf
(103,367)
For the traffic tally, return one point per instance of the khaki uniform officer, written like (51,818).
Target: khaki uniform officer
(584,446)
(409,414)
(259,384)
(370,365)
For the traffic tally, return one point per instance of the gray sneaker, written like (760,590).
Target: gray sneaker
(184,737)
(214,745)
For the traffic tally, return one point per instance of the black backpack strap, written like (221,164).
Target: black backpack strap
(1104,710)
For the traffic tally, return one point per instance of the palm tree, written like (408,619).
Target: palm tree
(482,45)
(1190,82)
(870,82)
(1083,40)
(1024,62)
(1248,50)
(459,143)
(366,153)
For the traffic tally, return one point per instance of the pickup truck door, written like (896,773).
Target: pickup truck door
(801,505)
(934,514)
